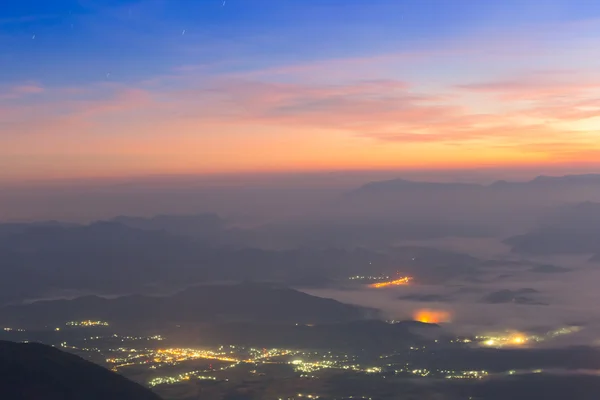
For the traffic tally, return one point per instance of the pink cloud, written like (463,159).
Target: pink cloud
(567,109)
(19,91)
(65,111)
(537,87)
(28,89)
(385,110)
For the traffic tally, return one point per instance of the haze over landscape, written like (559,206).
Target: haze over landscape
(299,199)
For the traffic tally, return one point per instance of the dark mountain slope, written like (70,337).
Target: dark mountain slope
(31,371)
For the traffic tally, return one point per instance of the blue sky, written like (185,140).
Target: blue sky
(85,40)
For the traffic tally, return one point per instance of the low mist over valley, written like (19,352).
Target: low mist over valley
(481,274)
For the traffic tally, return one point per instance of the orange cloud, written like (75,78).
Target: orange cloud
(186,123)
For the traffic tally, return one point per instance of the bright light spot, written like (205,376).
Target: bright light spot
(432,316)
(518,340)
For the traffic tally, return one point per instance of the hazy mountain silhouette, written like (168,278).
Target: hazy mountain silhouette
(210,303)
(8,229)
(570,229)
(199,226)
(31,371)
(549,269)
(98,237)
(519,296)
(405,185)
(394,185)
(40,261)
(593,179)
(464,209)
(109,257)
(430,265)
(373,335)
(99,256)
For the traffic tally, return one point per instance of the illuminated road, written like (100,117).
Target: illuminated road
(405,280)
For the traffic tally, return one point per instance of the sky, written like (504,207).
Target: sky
(115,88)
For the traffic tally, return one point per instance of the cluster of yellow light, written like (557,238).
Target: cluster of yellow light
(448,374)
(405,280)
(432,316)
(313,366)
(262,354)
(87,323)
(173,356)
(126,338)
(307,367)
(176,355)
(421,372)
(514,339)
(370,278)
(157,358)
(161,380)
(468,375)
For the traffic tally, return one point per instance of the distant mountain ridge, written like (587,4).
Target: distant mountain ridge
(408,184)
(13,228)
(32,371)
(400,183)
(198,226)
(500,208)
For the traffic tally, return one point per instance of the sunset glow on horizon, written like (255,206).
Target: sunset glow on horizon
(472,89)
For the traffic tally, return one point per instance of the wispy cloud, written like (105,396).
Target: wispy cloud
(20,91)
(535,87)
(27,18)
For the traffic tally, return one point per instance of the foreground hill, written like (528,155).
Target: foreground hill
(31,371)
(211,303)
